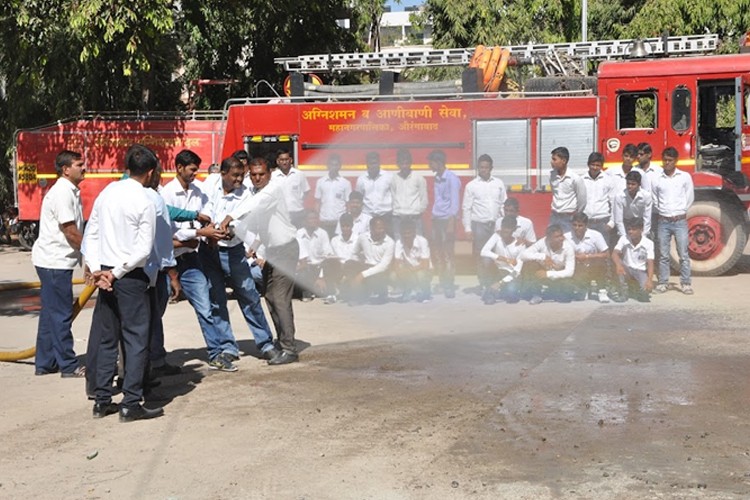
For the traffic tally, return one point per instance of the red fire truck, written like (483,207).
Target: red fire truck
(697,104)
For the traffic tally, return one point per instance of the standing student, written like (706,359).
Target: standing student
(295,186)
(55,254)
(568,191)
(331,194)
(445,207)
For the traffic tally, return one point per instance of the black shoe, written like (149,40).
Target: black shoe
(450,292)
(139,413)
(101,410)
(79,372)
(284,358)
(271,353)
(488,297)
(166,370)
(40,373)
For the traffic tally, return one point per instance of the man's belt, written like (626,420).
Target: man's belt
(673,218)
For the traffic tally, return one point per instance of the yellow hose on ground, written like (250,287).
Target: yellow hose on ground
(77,307)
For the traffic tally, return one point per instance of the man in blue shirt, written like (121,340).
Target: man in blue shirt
(445,208)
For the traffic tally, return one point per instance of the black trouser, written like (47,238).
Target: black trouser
(480,233)
(123,315)
(444,250)
(278,276)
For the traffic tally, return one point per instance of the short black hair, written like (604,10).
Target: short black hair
(633,176)
(437,155)
(346,219)
(595,157)
(187,157)
(241,154)
(561,152)
(65,158)
(635,222)
(229,163)
(645,147)
(509,222)
(356,195)
(484,157)
(139,160)
(670,152)
(580,217)
(512,202)
(554,228)
(630,149)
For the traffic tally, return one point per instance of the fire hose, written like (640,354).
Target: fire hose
(78,304)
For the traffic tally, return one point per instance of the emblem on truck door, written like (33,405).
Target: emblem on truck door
(613,144)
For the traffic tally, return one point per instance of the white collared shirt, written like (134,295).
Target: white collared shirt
(673,194)
(625,207)
(635,256)
(265,214)
(496,247)
(483,201)
(376,254)
(333,195)
(409,194)
(376,193)
(598,196)
(121,230)
(61,204)
(361,225)
(343,250)
(651,175)
(162,253)
(617,177)
(221,204)
(592,242)
(191,198)
(524,229)
(564,260)
(316,247)
(419,251)
(568,192)
(295,186)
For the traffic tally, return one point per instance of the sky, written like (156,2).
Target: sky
(404,3)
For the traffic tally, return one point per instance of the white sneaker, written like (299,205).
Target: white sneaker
(331,299)
(603,296)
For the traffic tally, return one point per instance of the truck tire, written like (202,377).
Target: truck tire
(28,232)
(716,238)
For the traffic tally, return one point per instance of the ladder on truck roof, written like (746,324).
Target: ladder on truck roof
(543,53)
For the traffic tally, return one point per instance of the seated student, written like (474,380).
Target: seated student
(592,258)
(360,219)
(372,256)
(524,233)
(549,263)
(315,250)
(633,257)
(412,267)
(500,257)
(343,251)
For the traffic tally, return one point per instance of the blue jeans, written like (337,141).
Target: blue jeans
(195,286)
(54,340)
(665,231)
(231,263)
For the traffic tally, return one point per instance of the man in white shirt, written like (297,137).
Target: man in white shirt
(117,244)
(265,214)
(331,194)
(373,254)
(649,172)
(633,257)
(55,254)
(632,202)
(673,194)
(228,259)
(501,256)
(360,220)
(484,197)
(183,193)
(375,187)
(343,251)
(412,268)
(408,192)
(599,193)
(315,250)
(550,263)
(524,233)
(568,191)
(617,174)
(295,186)
(592,259)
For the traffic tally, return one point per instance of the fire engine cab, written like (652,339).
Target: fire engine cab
(697,103)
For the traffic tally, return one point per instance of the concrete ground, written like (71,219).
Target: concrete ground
(449,399)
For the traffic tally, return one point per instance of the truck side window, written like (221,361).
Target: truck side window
(636,110)
(681,109)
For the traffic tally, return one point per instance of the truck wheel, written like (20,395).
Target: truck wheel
(716,239)
(27,234)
